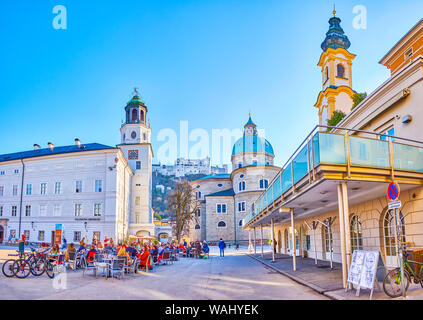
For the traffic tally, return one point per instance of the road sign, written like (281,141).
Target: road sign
(393,191)
(394,205)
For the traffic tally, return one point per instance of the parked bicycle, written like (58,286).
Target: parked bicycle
(413,271)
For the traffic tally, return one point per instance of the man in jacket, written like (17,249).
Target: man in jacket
(222,246)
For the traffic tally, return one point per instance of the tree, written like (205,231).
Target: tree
(183,206)
(336,118)
(357,98)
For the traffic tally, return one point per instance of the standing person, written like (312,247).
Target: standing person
(274,245)
(65,244)
(22,246)
(222,246)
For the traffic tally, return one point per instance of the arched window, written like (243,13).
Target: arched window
(356,234)
(142,116)
(134,115)
(340,71)
(389,237)
(197,227)
(221,224)
(240,223)
(326,74)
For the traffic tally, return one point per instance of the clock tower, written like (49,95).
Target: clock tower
(136,147)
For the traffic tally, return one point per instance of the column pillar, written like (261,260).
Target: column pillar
(342,231)
(262,251)
(347,223)
(250,247)
(273,237)
(255,241)
(294,253)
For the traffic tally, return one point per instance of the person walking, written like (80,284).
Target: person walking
(274,245)
(222,246)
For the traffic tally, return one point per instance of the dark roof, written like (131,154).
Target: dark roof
(225,193)
(216,176)
(56,150)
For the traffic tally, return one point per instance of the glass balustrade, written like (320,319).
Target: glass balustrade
(329,148)
(369,152)
(300,164)
(287,178)
(408,157)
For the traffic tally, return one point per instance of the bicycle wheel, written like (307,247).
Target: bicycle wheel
(392,283)
(49,268)
(7,268)
(38,267)
(21,268)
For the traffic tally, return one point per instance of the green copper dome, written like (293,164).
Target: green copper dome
(335,37)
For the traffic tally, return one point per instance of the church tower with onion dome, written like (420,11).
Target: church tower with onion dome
(336,67)
(136,147)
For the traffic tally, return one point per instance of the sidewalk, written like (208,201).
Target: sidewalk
(325,280)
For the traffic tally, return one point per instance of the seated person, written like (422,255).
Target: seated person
(122,253)
(206,248)
(70,248)
(154,254)
(91,254)
(145,258)
(82,247)
(131,251)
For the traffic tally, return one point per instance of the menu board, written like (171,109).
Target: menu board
(364,265)
(357,261)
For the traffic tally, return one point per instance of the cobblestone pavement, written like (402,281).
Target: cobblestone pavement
(236,276)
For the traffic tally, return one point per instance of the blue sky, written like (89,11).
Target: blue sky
(205,61)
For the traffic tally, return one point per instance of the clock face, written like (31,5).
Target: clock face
(133,135)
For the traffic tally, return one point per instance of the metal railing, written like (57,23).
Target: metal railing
(333,148)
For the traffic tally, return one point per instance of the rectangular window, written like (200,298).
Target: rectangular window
(137,201)
(137,218)
(241,206)
(40,235)
(221,208)
(16,171)
(14,211)
(77,236)
(58,188)
(78,188)
(57,210)
(138,164)
(308,242)
(26,233)
(27,211)
(43,210)
(97,210)
(43,188)
(198,195)
(98,186)
(15,190)
(1,191)
(28,189)
(78,210)
(1,173)
(1,211)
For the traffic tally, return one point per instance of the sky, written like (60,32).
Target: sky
(208,62)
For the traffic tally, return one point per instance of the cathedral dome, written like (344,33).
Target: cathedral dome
(252,143)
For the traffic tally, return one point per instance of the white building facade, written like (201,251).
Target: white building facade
(82,190)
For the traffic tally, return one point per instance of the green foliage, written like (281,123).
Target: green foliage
(357,98)
(336,118)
